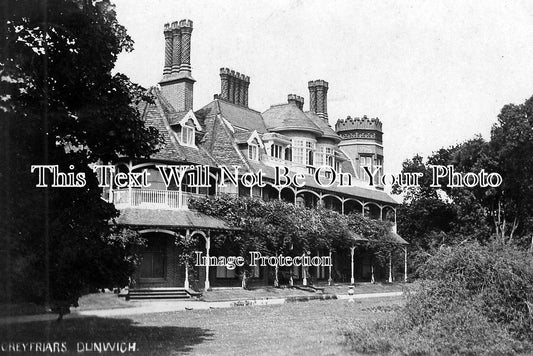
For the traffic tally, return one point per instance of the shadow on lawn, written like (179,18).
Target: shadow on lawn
(150,340)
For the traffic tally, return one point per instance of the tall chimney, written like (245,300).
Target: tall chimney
(186,31)
(296,100)
(168,49)
(224,83)
(231,96)
(246,84)
(318,96)
(177,82)
(237,98)
(241,89)
(234,87)
(312,96)
(176,47)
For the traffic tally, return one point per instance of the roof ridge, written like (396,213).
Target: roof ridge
(237,105)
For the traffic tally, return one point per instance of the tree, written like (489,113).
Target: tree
(511,148)
(62,106)
(452,215)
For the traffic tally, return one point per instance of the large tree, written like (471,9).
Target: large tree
(61,105)
(432,217)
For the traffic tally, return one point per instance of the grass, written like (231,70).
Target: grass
(271,292)
(365,287)
(95,301)
(296,328)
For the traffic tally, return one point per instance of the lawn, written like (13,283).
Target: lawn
(271,292)
(313,327)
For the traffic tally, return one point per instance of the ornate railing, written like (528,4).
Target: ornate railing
(152,199)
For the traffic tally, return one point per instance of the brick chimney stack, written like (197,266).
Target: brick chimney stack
(168,49)
(234,87)
(296,100)
(177,82)
(224,83)
(186,31)
(318,98)
(176,47)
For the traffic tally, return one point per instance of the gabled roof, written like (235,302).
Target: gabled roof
(158,115)
(220,139)
(327,131)
(238,116)
(288,117)
(190,116)
(242,136)
(248,137)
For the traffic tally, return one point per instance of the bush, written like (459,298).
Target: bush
(500,275)
(461,331)
(474,301)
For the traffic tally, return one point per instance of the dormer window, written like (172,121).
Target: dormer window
(187,135)
(187,130)
(254,145)
(253,152)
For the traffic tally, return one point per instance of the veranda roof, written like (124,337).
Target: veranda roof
(170,218)
(394,236)
(398,238)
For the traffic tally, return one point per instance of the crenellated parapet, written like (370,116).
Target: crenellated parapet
(360,128)
(357,123)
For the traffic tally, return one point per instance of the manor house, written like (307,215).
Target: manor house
(227,132)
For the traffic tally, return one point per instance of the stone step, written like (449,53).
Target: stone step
(161,293)
(158,296)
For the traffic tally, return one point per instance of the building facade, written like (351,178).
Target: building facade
(227,132)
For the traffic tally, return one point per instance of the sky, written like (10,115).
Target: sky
(434,72)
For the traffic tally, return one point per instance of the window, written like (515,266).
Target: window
(379,165)
(319,156)
(310,157)
(288,154)
(298,155)
(275,151)
(364,161)
(330,157)
(338,167)
(187,135)
(253,152)
(309,152)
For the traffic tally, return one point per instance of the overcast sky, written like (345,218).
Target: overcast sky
(435,73)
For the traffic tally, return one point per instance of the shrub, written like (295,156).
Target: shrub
(439,318)
(474,301)
(500,275)
(459,331)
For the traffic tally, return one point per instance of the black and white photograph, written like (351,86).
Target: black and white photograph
(298,177)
